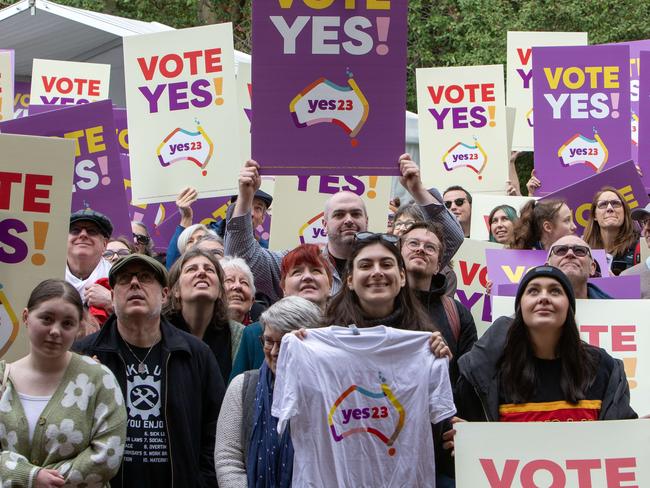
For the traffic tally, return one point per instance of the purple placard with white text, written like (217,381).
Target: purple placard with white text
(508,266)
(578,196)
(581,98)
(98,182)
(21,98)
(644,120)
(623,287)
(330,87)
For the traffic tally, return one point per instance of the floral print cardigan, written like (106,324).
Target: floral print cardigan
(80,432)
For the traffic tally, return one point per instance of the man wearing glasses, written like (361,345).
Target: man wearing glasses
(87,239)
(344,216)
(642,216)
(170,381)
(572,255)
(459,201)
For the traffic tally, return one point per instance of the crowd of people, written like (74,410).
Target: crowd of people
(150,370)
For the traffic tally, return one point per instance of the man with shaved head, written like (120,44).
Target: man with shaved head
(573,256)
(344,216)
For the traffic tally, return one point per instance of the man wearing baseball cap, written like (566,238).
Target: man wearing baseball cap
(87,238)
(170,380)
(642,216)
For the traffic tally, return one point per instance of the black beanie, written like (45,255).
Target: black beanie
(549,272)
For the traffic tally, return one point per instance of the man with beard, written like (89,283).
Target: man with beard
(344,216)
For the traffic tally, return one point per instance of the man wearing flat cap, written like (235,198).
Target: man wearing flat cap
(87,238)
(170,381)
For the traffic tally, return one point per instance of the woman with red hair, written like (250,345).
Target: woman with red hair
(306,273)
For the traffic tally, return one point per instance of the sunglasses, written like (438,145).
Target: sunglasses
(459,202)
(120,253)
(141,239)
(603,204)
(376,236)
(578,251)
(90,231)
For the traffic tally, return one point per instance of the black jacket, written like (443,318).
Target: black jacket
(431,300)
(477,390)
(191,403)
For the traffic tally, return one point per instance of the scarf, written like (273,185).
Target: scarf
(270,456)
(100,271)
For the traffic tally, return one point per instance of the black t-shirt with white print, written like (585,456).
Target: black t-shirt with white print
(146,453)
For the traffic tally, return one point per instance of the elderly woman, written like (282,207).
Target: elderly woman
(211,243)
(306,273)
(187,238)
(249,452)
(611,228)
(240,289)
(197,304)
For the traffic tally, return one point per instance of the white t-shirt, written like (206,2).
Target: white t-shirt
(33,407)
(361,406)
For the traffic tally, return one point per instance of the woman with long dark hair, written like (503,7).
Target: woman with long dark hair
(376,290)
(541,223)
(611,228)
(545,372)
(198,305)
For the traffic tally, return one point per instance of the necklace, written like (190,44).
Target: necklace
(140,362)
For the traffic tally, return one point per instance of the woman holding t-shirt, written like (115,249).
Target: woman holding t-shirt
(62,416)
(544,372)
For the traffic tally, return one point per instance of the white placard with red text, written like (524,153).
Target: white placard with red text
(553,454)
(68,82)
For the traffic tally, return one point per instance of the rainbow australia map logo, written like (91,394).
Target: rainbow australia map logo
(8,323)
(372,419)
(185,145)
(580,149)
(325,102)
(471,156)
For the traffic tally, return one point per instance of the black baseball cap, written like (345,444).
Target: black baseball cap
(97,218)
(158,269)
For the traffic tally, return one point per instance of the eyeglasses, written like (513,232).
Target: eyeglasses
(144,277)
(376,236)
(459,202)
(578,251)
(415,244)
(603,204)
(90,231)
(404,223)
(268,344)
(141,239)
(120,254)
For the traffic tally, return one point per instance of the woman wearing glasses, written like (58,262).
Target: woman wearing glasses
(541,223)
(141,239)
(117,248)
(249,452)
(62,416)
(198,305)
(611,228)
